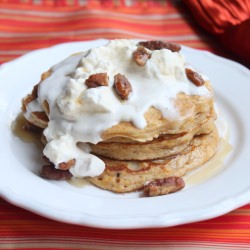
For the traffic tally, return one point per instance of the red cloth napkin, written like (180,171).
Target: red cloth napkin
(228,20)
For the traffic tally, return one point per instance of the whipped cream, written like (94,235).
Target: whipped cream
(79,115)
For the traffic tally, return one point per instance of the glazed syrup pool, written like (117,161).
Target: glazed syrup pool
(25,135)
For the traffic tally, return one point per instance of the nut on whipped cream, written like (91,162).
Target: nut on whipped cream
(92,91)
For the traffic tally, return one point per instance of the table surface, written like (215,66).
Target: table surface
(27,25)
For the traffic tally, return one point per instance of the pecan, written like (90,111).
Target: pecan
(157,45)
(67,165)
(122,86)
(50,172)
(97,80)
(141,55)
(194,77)
(163,186)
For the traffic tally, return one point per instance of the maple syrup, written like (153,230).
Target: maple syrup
(211,167)
(18,129)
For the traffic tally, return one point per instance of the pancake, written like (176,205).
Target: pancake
(127,176)
(163,146)
(123,115)
(194,110)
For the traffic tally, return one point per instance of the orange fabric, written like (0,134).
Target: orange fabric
(26,25)
(218,15)
(229,20)
(24,230)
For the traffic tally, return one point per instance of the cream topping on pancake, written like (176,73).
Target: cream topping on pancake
(81,114)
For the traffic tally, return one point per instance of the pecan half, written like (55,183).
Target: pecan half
(141,55)
(97,80)
(50,172)
(194,77)
(157,45)
(67,165)
(163,186)
(122,86)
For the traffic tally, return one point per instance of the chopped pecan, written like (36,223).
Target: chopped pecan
(67,165)
(194,77)
(163,186)
(97,80)
(141,55)
(122,86)
(157,45)
(50,172)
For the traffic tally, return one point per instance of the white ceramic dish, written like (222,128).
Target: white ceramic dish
(20,184)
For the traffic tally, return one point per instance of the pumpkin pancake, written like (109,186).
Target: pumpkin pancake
(127,176)
(124,114)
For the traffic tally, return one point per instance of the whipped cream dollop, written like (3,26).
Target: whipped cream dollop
(78,114)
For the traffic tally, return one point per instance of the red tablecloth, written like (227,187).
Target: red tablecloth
(26,25)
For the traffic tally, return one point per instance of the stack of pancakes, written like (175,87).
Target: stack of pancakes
(163,149)
(133,156)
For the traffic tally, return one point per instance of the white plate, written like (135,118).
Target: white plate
(20,184)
